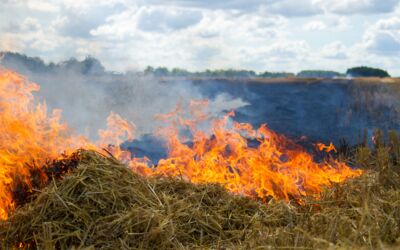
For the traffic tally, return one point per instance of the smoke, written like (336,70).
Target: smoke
(87,99)
(324,111)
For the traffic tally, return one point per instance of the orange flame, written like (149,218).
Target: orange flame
(27,134)
(327,148)
(275,168)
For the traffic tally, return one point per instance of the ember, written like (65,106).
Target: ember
(276,168)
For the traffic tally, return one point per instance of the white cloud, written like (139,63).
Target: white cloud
(288,8)
(9,42)
(199,34)
(340,23)
(287,49)
(293,8)
(30,24)
(213,41)
(42,6)
(346,7)
(383,37)
(314,26)
(335,50)
(158,19)
(84,6)
(388,24)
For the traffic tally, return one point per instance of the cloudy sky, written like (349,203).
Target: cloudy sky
(275,35)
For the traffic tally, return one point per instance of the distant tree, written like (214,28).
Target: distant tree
(180,72)
(161,71)
(11,59)
(229,73)
(367,72)
(149,70)
(268,74)
(318,73)
(92,66)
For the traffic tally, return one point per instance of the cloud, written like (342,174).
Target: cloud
(282,7)
(160,19)
(288,8)
(42,6)
(383,37)
(293,8)
(384,43)
(248,5)
(194,34)
(9,42)
(340,23)
(80,23)
(349,7)
(314,26)
(388,24)
(335,50)
(87,5)
(282,55)
(214,41)
(30,25)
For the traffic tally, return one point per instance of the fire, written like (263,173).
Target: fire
(28,135)
(274,168)
(327,148)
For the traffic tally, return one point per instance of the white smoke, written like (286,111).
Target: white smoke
(87,100)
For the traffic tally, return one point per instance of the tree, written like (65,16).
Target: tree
(367,72)
(268,74)
(161,71)
(318,73)
(149,70)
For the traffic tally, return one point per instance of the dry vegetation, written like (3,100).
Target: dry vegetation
(104,205)
(379,100)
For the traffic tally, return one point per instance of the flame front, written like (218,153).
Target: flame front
(275,167)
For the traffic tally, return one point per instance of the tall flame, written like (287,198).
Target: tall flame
(28,135)
(276,167)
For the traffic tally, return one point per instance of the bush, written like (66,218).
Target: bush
(367,72)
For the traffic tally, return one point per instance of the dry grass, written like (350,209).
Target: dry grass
(378,101)
(103,205)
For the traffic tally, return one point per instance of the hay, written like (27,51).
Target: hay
(104,205)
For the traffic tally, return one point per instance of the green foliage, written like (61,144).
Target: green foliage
(367,72)
(177,72)
(319,73)
(89,65)
(268,74)
(31,63)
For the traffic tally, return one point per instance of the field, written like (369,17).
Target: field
(101,204)
(241,187)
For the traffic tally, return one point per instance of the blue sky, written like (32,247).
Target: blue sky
(275,35)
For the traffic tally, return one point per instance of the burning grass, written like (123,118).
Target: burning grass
(102,204)
(274,195)
(275,167)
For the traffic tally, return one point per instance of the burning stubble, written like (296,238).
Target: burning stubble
(276,168)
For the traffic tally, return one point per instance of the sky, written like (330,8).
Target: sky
(260,35)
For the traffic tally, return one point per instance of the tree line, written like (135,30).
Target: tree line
(91,65)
